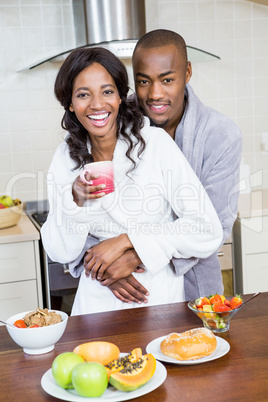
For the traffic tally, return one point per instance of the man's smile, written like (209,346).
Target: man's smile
(158,108)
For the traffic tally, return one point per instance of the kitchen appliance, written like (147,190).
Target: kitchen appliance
(113,24)
(100,21)
(59,286)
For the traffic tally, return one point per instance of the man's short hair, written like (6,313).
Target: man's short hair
(160,38)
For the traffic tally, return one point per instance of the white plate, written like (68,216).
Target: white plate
(111,394)
(153,347)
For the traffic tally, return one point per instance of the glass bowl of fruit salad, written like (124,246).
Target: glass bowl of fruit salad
(216,311)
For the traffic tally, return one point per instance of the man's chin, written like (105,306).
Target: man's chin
(154,123)
(161,124)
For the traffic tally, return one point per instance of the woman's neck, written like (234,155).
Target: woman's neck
(102,149)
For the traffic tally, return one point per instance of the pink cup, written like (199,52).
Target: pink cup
(105,170)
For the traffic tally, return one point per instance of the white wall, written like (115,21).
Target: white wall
(237,85)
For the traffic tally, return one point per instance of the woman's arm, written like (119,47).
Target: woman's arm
(66,229)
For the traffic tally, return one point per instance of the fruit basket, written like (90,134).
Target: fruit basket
(10,216)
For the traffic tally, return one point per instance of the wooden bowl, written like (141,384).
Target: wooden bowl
(10,216)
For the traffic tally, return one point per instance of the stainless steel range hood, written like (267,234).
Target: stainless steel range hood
(101,21)
(114,24)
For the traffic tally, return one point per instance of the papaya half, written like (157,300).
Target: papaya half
(129,374)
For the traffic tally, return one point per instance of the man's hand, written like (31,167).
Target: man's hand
(122,268)
(118,278)
(129,290)
(98,258)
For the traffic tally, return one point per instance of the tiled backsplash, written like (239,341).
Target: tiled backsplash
(30,117)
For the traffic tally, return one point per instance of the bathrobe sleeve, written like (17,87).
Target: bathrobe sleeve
(65,232)
(196,232)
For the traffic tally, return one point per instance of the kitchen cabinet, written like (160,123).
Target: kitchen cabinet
(251,243)
(226,259)
(20,275)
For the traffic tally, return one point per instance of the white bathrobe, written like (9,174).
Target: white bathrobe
(144,205)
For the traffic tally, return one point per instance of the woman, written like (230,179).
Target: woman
(159,207)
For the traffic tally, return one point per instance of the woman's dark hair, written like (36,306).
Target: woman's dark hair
(129,119)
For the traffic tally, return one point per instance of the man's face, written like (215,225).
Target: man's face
(160,76)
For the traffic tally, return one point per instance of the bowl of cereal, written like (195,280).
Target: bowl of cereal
(37,331)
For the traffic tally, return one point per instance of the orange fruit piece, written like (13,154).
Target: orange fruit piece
(98,351)
(20,324)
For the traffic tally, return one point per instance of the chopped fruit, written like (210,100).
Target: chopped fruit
(217,303)
(218,307)
(34,326)
(236,301)
(201,301)
(20,324)
(215,298)
(207,307)
(227,302)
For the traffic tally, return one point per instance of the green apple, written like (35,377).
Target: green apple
(90,379)
(6,201)
(62,367)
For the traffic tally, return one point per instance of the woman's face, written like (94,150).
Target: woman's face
(96,101)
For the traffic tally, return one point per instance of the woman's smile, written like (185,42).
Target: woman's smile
(99,119)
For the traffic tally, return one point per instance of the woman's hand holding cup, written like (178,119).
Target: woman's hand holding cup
(83,191)
(95,181)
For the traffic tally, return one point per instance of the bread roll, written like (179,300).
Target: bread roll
(189,345)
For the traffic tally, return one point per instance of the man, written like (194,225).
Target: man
(210,141)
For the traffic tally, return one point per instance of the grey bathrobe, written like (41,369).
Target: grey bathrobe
(212,144)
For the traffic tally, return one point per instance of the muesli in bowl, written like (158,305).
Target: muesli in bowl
(37,331)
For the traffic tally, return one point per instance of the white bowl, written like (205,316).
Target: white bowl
(36,341)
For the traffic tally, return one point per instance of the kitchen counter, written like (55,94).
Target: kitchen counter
(23,231)
(239,375)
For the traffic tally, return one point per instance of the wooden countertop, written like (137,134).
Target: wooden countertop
(23,231)
(240,375)
(253,204)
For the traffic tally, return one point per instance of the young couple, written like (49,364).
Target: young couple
(155,238)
